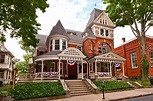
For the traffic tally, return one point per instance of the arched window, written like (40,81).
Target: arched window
(104,48)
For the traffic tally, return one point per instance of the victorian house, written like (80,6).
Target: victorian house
(6,64)
(71,54)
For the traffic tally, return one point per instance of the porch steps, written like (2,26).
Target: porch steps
(77,87)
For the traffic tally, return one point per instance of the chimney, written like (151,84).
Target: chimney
(123,39)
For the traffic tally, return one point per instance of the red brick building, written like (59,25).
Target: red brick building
(130,51)
(70,54)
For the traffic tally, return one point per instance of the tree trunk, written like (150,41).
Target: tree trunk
(142,47)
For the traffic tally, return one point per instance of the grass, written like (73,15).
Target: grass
(112,85)
(144,83)
(5,88)
(34,90)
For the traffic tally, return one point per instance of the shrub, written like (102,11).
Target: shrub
(36,90)
(112,85)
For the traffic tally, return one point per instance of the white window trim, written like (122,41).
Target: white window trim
(132,59)
(151,62)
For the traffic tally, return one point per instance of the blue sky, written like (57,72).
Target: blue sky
(74,14)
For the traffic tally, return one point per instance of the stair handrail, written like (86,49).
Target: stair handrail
(65,86)
(93,87)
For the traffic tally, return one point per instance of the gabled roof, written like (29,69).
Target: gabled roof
(94,14)
(110,56)
(58,29)
(3,49)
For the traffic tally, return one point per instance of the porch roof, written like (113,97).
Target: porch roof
(108,57)
(69,53)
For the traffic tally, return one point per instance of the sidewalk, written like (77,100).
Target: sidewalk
(114,96)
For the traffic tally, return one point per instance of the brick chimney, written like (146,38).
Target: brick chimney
(123,39)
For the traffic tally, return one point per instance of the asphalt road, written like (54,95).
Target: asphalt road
(144,98)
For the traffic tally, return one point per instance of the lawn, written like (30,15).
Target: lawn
(112,85)
(144,83)
(34,90)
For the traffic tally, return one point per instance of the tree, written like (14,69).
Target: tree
(19,17)
(132,13)
(23,66)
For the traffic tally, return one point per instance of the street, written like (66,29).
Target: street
(144,98)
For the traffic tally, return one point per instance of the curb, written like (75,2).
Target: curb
(129,97)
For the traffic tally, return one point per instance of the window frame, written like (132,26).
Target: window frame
(2,60)
(151,58)
(133,55)
(57,44)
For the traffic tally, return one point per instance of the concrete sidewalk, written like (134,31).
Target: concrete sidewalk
(113,96)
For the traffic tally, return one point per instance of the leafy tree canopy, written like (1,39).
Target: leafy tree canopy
(19,17)
(131,12)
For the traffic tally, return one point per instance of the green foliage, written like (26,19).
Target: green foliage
(145,67)
(36,90)
(22,67)
(126,12)
(50,65)
(144,83)
(5,88)
(37,66)
(112,85)
(19,16)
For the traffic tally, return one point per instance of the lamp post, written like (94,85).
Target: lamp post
(103,89)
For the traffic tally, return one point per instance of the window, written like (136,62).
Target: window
(57,45)
(79,47)
(102,32)
(51,44)
(151,58)
(104,48)
(63,44)
(2,58)
(134,60)
(106,33)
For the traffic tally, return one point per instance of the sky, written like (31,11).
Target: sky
(74,14)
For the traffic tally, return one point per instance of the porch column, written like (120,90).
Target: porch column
(42,67)
(110,69)
(95,68)
(82,69)
(123,69)
(77,70)
(5,72)
(87,70)
(59,69)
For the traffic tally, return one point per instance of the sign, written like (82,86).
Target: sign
(70,62)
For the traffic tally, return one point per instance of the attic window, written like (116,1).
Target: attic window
(100,21)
